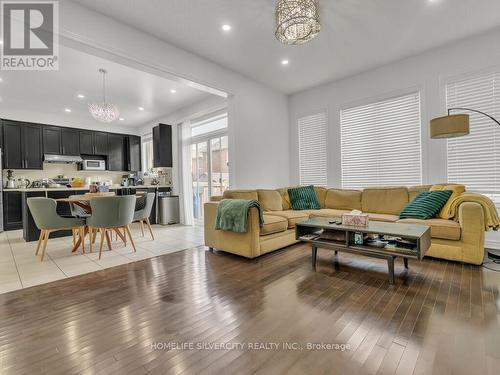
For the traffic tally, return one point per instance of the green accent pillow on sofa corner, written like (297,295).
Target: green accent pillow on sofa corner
(304,198)
(426,205)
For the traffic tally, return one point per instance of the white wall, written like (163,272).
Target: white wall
(427,72)
(258,115)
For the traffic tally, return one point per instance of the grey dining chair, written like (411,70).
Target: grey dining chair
(143,212)
(47,220)
(111,214)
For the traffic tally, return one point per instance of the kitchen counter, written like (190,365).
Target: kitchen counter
(114,187)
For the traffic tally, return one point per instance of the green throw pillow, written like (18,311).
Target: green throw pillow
(304,198)
(426,205)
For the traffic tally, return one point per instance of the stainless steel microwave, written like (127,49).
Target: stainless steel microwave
(94,165)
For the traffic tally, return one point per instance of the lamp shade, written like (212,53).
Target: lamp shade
(450,126)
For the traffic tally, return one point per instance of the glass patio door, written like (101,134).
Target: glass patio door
(209,171)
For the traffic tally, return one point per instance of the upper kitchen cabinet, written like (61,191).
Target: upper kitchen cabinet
(52,140)
(13,145)
(32,147)
(86,142)
(162,146)
(117,156)
(22,145)
(134,153)
(93,143)
(70,141)
(100,143)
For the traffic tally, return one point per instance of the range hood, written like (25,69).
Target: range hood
(62,159)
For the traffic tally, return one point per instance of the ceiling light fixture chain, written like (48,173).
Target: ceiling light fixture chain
(104,112)
(297,21)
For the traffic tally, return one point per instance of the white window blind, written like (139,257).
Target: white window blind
(312,150)
(474,160)
(381,143)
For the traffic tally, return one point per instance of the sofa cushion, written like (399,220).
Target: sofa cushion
(384,200)
(440,228)
(285,199)
(383,217)
(456,191)
(273,224)
(304,198)
(413,191)
(321,195)
(343,199)
(426,205)
(328,212)
(240,194)
(270,200)
(292,216)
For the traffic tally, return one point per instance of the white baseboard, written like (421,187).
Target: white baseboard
(492,244)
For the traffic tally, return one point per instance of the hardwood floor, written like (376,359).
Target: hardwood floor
(439,317)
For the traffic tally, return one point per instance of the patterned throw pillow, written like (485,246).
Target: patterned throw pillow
(304,198)
(426,205)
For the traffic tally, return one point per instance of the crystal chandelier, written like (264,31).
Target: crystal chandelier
(297,21)
(104,111)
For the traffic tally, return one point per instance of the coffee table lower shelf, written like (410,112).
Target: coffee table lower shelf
(353,250)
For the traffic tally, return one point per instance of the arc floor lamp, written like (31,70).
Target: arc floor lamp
(457,125)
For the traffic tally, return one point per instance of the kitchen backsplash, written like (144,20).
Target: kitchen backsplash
(70,171)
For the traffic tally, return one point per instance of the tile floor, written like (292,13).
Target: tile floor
(20,268)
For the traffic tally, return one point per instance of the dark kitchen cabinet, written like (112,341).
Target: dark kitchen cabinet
(134,153)
(52,140)
(32,147)
(100,143)
(22,145)
(70,141)
(13,142)
(117,153)
(86,142)
(12,210)
(162,146)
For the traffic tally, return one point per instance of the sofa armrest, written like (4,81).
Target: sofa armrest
(471,219)
(244,244)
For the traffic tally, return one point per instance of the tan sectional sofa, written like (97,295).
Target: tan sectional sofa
(459,241)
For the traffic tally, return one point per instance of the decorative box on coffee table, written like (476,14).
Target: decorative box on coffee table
(414,239)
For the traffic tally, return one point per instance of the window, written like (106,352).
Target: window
(312,150)
(474,160)
(147,153)
(381,143)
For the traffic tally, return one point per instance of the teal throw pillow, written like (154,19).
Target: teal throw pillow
(304,198)
(426,205)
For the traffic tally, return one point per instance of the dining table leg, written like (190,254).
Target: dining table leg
(79,240)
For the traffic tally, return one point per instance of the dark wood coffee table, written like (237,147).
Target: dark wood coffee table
(418,235)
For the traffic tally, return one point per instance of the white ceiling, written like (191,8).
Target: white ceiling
(50,92)
(356,34)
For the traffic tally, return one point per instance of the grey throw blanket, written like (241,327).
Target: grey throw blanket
(232,214)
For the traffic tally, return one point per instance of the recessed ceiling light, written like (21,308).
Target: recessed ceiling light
(226,27)
(67,110)
(141,108)
(285,62)
(173,91)
(81,96)
(1,41)
(121,119)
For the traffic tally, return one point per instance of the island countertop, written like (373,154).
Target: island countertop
(112,187)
